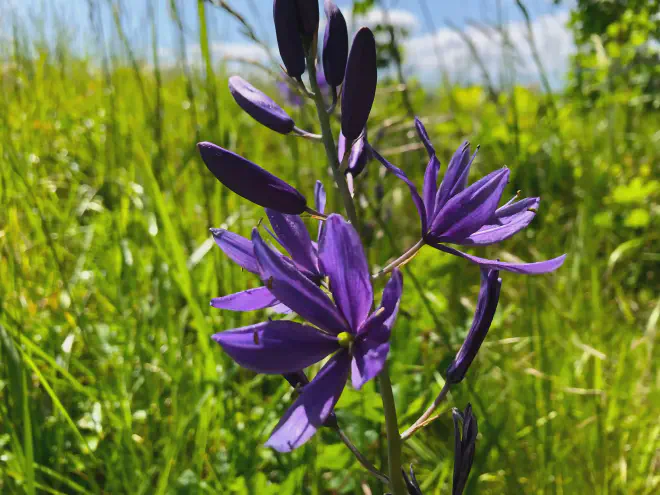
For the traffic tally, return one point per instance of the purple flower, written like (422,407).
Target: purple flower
(489,296)
(251,181)
(464,447)
(292,235)
(360,153)
(259,106)
(456,213)
(289,39)
(335,45)
(359,89)
(344,328)
(412,485)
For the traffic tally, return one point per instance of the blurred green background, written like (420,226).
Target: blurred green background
(109,382)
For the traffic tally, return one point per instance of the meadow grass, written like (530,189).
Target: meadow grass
(109,380)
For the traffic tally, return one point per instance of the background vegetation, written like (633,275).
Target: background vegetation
(109,382)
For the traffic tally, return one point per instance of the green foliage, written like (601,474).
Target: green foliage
(110,382)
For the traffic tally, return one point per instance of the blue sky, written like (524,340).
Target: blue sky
(432,46)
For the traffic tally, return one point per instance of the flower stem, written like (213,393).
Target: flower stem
(393,440)
(424,418)
(361,458)
(329,143)
(402,260)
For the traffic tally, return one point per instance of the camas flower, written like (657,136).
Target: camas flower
(464,447)
(456,213)
(251,181)
(291,233)
(344,329)
(489,296)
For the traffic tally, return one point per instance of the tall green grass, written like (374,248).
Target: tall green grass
(110,382)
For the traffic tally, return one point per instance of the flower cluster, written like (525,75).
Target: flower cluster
(325,286)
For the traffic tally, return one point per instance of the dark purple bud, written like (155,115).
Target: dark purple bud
(360,155)
(251,181)
(411,482)
(359,84)
(308,15)
(289,40)
(335,45)
(464,447)
(259,106)
(489,296)
(298,380)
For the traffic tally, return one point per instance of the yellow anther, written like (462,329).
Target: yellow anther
(345,339)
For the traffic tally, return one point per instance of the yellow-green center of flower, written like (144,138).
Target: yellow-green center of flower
(345,339)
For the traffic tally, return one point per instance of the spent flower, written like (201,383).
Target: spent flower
(465,439)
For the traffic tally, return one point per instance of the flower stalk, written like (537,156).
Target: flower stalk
(391,427)
(361,458)
(329,142)
(401,260)
(424,418)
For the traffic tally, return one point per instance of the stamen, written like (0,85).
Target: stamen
(532,210)
(256,338)
(269,283)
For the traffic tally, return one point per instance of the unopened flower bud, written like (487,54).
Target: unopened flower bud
(260,106)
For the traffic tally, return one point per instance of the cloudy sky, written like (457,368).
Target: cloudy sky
(432,48)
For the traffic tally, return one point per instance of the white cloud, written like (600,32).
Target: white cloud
(445,51)
(396,17)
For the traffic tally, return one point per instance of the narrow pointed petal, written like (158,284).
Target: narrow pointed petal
(319,202)
(469,210)
(308,15)
(522,268)
(260,106)
(251,181)
(295,290)
(342,258)
(489,295)
(457,168)
(360,82)
(431,185)
(417,199)
(237,248)
(247,300)
(464,447)
(360,155)
(312,408)
(319,197)
(335,45)
(292,233)
(341,146)
(380,322)
(368,362)
(424,136)
(507,221)
(276,347)
(289,37)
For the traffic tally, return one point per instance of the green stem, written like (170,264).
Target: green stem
(403,259)
(329,143)
(361,458)
(391,424)
(392,429)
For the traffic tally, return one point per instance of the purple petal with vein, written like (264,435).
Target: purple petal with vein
(430,189)
(293,235)
(507,221)
(237,248)
(469,210)
(276,347)
(313,407)
(523,268)
(251,181)
(260,106)
(381,321)
(342,257)
(455,170)
(247,300)
(417,199)
(368,361)
(295,290)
